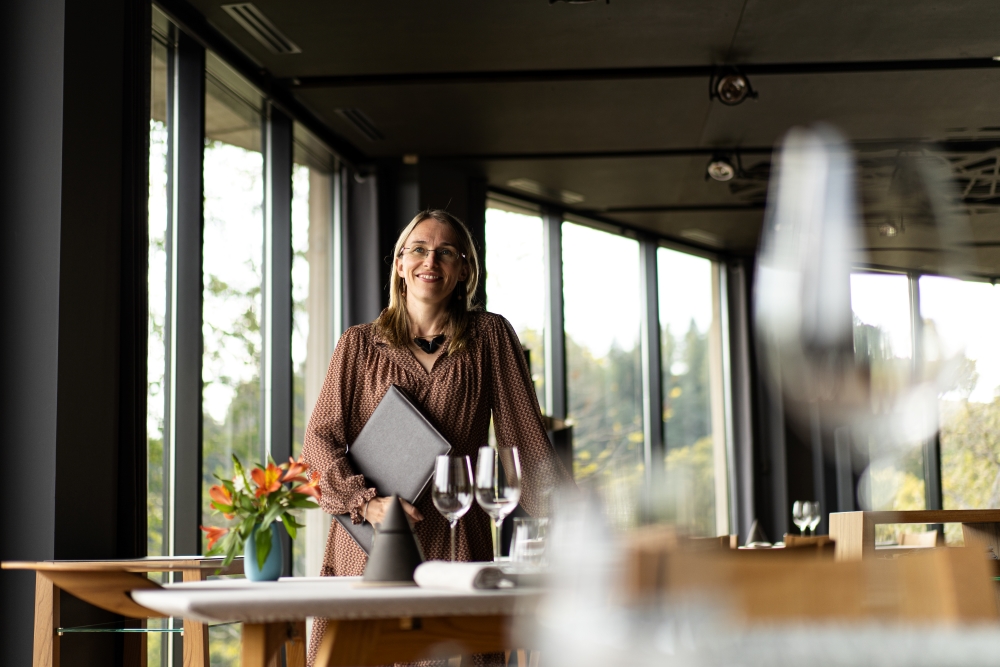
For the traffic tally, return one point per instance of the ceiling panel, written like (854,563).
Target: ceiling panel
(394,36)
(521,117)
(778,31)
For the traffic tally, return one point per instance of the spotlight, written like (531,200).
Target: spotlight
(731,88)
(721,169)
(887,229)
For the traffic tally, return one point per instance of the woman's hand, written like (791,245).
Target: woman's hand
(377,508)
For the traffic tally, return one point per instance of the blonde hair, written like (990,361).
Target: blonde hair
(394,325)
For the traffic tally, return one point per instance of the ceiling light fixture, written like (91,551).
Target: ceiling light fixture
(720,168)
(730,87)
(887,229)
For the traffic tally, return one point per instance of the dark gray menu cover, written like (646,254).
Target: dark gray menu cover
(395,451)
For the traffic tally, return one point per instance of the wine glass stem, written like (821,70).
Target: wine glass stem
(496,543)
(453,524)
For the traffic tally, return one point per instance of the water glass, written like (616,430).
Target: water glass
(528,543)
(451,490)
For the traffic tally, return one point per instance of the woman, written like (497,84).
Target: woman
(460,365)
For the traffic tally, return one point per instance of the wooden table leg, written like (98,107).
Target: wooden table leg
(295,645)
(195,634)
(46,646)
(261,642)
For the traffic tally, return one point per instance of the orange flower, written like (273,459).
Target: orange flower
(311,488)
(267,480)
(214,534)
(295,470)
(220,495)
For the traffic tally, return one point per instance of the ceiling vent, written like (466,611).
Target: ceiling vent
(258,25)
(536,188)
(361,123)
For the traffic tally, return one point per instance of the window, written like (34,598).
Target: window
(883,330)
(604,377)
(232,260)
(692,385)
(158,214)
(965,317)
(314,304)
(514,281)
(157,297)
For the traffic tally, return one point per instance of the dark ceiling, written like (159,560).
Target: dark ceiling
(635,146)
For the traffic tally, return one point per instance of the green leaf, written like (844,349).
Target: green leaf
(228,509)
(290,525)
(263,544)
(303,503)
(272,514)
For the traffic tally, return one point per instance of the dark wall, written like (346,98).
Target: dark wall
(72,161)
(406,189)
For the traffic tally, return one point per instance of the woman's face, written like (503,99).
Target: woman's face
(430,263)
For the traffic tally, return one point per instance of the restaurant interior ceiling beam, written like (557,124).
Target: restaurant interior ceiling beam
(610,224)
(634,73)
(944,146)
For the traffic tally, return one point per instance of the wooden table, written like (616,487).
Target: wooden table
(106,584)
(368,625)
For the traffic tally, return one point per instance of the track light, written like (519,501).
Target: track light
(731,88)
(721,169)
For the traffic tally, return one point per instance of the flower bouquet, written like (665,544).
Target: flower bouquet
(269,494)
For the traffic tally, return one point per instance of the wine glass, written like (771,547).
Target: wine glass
(498,485)
(801,515)
(814,516)
(452,490)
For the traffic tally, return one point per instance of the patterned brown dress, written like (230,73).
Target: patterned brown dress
(459,394)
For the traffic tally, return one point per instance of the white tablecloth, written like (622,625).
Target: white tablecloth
(341,598)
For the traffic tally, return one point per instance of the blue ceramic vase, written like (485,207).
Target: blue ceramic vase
(272,565)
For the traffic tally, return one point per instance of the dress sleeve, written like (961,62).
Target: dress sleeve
(325,448)
(517,419)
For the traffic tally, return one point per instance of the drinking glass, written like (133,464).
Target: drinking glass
(814,516)
(528,543)
(452,490)
(801,515)
(498,486)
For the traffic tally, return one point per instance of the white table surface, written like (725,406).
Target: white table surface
(342,598)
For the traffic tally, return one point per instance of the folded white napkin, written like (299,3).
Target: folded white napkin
(460,576)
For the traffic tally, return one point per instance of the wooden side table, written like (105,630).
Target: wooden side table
(105,584)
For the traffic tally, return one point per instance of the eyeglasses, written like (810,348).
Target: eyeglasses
(444,255)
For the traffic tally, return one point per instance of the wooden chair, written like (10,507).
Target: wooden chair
(924,540)
(106,584)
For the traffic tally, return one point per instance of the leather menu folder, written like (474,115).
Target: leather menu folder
(395,451)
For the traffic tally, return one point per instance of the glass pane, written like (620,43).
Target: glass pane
(881,306)
(158,212)
(157,286)
(966,318)
(690,353)
(514,282)
(602,320)
(231,327)
(313,296)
